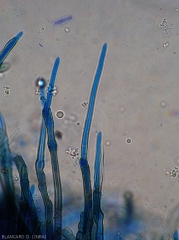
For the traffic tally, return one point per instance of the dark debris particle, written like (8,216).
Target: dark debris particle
(58,134)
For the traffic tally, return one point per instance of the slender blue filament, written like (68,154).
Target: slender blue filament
(32,189)
(9,46)
(47,122)
(5,158)
(42,183)
(6,178)
(98,168)
(97,193)
(52,83)
(52,146)
(84,146)
(86,218)
(39,165)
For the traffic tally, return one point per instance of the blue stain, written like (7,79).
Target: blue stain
(52,146)
(84,145)
(176,235)
(86,228)
(51,84)
(63,20)
(53,228)
(98,231)
(7,48)
(32,189)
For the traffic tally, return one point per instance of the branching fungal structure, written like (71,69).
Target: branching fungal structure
(20,217)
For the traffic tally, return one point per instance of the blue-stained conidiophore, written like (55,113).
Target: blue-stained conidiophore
(91,221)
(52,146)
(6,50)
(63,20)
(84,144)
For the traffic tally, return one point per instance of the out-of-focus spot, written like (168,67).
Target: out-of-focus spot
(172,200)
(50,191)
(108,143)
(122,109)
(34,121)
(94,40)
(73,117)
(2,75)
(58,134)
(163,104)
(23,140)
(67,29)
(177,160)
(79,198)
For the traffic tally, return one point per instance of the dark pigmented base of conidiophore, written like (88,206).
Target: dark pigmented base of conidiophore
(18,214)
